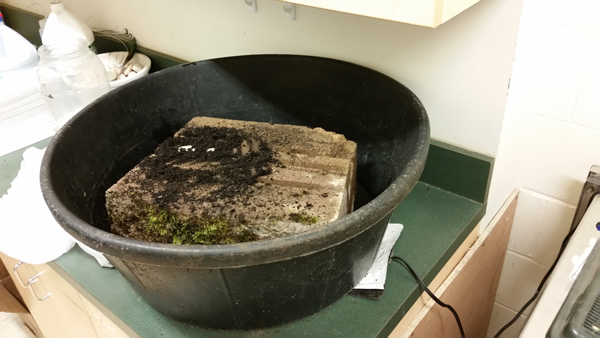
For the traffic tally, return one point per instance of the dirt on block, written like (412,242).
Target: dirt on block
(223,181)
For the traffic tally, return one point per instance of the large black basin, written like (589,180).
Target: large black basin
(262,283)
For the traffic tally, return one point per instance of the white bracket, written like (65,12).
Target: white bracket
(290,10)
(251,5)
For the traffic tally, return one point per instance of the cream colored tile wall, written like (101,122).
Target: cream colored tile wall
(550,138)
(518,281)
(502,315)
(460,70)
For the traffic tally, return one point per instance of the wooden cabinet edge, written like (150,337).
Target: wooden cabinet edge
(421,302)
(501,226)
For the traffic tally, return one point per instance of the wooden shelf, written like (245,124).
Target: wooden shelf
(428,13)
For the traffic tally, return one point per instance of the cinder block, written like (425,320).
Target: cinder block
(237,180)
(559,158)
(519,280)
(588,100)
(528,220)
(555,226)
(579,13)
(502,315)
(565,62)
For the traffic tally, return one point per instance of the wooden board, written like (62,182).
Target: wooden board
(421,302)
(471,287)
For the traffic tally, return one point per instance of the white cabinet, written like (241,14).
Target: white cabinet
(428,13)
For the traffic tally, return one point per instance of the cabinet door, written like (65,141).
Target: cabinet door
(42,310)
(69,309)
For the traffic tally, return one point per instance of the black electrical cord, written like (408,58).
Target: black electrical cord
(540,286)
(426,289)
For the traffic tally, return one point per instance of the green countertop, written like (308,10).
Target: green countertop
(438,215)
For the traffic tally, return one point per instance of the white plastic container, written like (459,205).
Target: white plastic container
(63,25)
(16,53)
(114,60)
(70,77)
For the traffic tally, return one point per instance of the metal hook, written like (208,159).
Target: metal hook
(251,5)
(290,10)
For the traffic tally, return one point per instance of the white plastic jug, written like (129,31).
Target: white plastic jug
(70,76)
(63,25)
(16,53)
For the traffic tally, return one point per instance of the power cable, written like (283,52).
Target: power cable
(426,289)
(540,286)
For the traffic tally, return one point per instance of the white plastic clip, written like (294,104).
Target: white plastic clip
(290,10)
(251,5)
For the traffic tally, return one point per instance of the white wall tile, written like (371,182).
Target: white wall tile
(550,130)
(558,44)
(521,105)
(528,220)
(565,60)
(579,13)
(500,317)
(559,158)
(555,226)
(587,107)
(520,278)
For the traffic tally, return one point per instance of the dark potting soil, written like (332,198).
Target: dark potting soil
(206,155)
(197,157)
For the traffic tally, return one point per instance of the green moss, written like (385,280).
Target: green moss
(206,230)
(304,219)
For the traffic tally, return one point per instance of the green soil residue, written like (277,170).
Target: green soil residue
(166,227)
(304,219)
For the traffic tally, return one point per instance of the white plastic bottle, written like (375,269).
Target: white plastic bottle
(62,25)
(16,53)
(70,77)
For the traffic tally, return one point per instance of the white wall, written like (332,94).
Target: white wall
(550,138)
(460,70)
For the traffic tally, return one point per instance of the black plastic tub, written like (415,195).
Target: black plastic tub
(262,283)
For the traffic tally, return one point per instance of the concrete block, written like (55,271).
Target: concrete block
(528,220)
(502,315)
(579,13)
(565,61)
(559,158)
(588,100)
(519,280)
(555,226)
(223,181)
